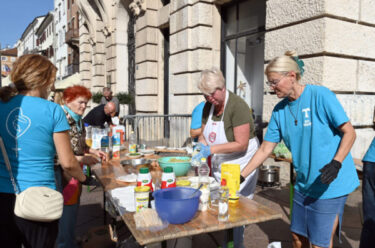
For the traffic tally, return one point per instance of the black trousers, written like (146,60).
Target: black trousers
(15,231)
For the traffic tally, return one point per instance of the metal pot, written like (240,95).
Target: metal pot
(269,174)
(136,162)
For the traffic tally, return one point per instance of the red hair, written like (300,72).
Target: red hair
(71,93)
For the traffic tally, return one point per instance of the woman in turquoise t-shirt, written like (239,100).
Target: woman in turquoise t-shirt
(33,130)
(313,125)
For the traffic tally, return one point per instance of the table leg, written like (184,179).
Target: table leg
(104,211)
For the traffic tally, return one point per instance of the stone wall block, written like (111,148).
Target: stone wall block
(269,102)
(362,142)
(308,38)
(349,38)
(146,103)
(146,36)
(146,70)
(146,86)
(366,76)
(184,83)
(367,11)
(146,53)
(200,13)
(176,5)
(149,19)
(340,74)
(183,104)
(163,16)
(359,108)
(196,60)
(191,38)
(278,13)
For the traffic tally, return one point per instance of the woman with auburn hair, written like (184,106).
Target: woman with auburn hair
(33,130)
(316,130)
(75,100)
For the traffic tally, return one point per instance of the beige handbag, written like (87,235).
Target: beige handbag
(35,203)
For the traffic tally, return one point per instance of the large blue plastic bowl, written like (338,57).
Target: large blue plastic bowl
(176,205)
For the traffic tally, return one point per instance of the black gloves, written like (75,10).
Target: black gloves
(242,179)
(330,171)
(90,181)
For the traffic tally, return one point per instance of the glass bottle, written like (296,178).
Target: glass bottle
(223,201)
(132,143)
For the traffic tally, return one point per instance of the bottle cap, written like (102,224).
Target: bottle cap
(168,169)
(203,160)
(143,170)
(223,182)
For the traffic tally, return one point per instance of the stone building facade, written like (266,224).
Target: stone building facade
(176,39)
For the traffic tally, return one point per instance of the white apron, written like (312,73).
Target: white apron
(214,133)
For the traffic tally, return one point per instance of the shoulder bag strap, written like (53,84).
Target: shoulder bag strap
(7,163)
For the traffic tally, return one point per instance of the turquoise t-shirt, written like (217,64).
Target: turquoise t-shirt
(370,154)
(196,116)
(27,125)
(314,141)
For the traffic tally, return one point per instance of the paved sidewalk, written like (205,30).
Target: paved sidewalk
(256,235)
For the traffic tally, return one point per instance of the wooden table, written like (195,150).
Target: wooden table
(246,212)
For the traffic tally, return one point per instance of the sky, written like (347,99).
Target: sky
(16,15)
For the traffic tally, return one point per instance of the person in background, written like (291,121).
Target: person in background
(227,134)
(101,114)
(108,97)
(368,197)
(75,100)
(57,97)
(196,121)
(313,125)
(33,130)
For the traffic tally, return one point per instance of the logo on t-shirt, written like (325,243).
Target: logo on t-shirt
(212,137)
(17,124)
(306,117)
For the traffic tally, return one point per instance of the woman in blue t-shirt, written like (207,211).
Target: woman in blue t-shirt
(313,125)
(33,130)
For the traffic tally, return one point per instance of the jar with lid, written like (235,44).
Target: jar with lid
(141,197)
(168,178)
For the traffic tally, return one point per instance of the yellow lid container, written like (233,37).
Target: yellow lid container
(183,183)
(142,189)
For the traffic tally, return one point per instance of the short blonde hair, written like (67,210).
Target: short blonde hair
(30,71)
(211,80)
(284,64)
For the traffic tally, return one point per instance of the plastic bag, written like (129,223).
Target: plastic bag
(282,151)
(148,219)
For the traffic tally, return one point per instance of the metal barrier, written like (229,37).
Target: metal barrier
(159,130)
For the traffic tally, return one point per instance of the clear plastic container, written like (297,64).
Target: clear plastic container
(223,201)
(132,143)
(204,179)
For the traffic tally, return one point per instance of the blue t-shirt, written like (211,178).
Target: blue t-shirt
(314,141)
(27,125)
(370,154)
(196,116)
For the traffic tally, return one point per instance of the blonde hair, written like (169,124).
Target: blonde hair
(58,98)
(284,64)
(211,80)
(31,71)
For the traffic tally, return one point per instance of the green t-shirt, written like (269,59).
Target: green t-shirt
(236,113)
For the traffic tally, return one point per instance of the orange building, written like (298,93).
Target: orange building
(8,56)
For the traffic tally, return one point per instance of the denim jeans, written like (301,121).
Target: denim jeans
(368,195)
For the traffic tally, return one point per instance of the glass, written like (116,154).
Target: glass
(274,83)
(251,15)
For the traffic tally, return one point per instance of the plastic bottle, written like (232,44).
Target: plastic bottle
(203,173)
(132,143)
(168,178)
(144,178)
(223,201)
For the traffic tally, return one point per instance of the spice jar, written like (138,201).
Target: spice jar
(168,179)
(141,197)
